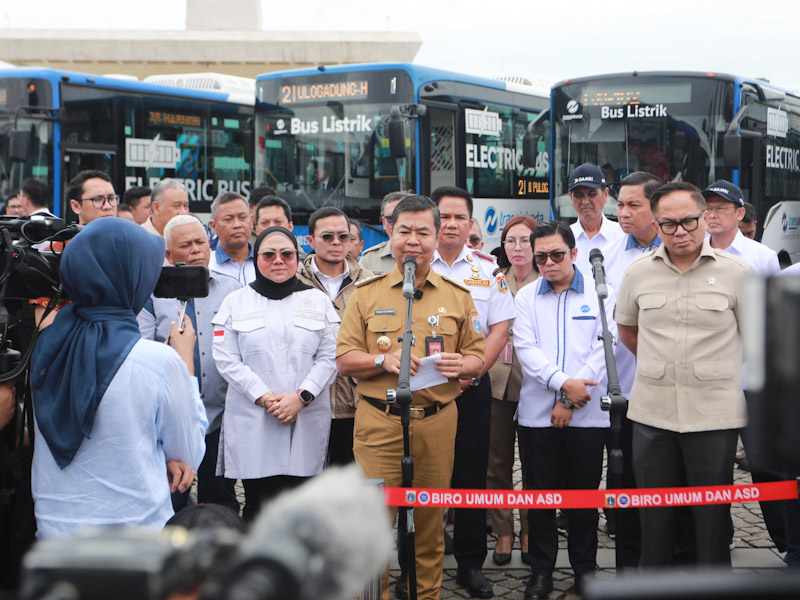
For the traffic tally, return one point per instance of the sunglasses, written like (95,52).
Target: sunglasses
(286,254)
(556,256)
(328,237)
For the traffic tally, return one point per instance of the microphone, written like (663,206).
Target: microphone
(596,260)
(409,279)
(321,541)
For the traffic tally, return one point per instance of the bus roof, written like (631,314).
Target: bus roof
(419,74)
(698,74)
(56,76)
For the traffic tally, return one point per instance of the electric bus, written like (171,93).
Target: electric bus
(346,136)
(695,127)
(54,124)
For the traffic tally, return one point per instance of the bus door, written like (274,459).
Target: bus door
(98,157)
(438,147)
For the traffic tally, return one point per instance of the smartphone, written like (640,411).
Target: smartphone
(182,282)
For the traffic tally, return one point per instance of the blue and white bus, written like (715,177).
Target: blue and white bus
(347,135)
(54,124)
(696,127)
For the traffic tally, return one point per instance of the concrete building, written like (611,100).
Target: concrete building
(221,37)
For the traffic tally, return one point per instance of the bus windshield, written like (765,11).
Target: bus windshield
(326,144)
(672,128)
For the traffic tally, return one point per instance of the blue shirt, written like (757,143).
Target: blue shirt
(154,323)
(150,414)
(245,273)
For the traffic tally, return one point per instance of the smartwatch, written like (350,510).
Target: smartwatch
(379,360)
(306,397)
(566,402)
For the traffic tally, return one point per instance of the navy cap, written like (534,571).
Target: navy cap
(725,190)
(587,175)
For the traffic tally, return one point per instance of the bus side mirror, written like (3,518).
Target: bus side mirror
(19,147)
(732,150)
(249,138)
(530,147)
(397,134)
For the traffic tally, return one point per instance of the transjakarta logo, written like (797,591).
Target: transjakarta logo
(573,106)
(493,157)
(491,220)
(332,124)
(789,222)
(151,154)
(482,122)
(777,122)
(494,220)
(633,111)
(585,308)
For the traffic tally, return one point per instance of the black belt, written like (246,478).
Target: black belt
(417,412)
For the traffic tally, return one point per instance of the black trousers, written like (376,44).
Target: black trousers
(632,538)
(258,492)
(469,471)
(340,444)
(664,458)
(211,489)
(572,457)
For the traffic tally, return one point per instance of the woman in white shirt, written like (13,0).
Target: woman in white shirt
(275,343)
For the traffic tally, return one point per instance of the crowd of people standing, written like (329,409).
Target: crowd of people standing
(283,368)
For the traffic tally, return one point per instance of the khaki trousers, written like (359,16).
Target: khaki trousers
(378,450)
(501,465)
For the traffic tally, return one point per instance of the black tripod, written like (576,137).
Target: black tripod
(613,401)
(402,396)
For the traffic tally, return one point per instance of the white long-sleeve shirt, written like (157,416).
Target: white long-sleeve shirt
(556,338)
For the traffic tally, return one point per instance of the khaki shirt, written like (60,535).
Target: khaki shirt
(689,359)
(377,309)
(378,259)
(506,377)
(344,399)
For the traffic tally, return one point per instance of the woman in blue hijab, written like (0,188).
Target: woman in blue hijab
(110,408)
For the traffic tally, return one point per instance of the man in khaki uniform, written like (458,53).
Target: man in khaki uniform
(379,259)
(369,351)
(680,313)
(330,269)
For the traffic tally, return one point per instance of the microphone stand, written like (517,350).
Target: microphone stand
(402,396)
(615,403)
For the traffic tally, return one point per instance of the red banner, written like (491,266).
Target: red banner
(622,498)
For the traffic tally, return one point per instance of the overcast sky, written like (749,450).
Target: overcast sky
(554,40)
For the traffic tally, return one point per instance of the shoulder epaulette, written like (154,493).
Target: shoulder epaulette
(374,248)
(455,283)
(484,256)
(371,279)
(498,271)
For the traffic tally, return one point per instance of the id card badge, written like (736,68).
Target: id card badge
(507,353)
(434,345)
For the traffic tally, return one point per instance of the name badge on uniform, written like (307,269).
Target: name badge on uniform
(434,344)
(507,353)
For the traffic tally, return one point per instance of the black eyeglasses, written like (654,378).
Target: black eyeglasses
(670,227)
(556,256)
(474,239)
(327,237)
(286,254)
(99,201)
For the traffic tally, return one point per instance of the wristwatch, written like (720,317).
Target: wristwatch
(566,402)
(306,397)
(475,382)
(379,360)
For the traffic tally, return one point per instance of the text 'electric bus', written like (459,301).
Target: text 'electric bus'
(345,136)
(54,124)
(695,127)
